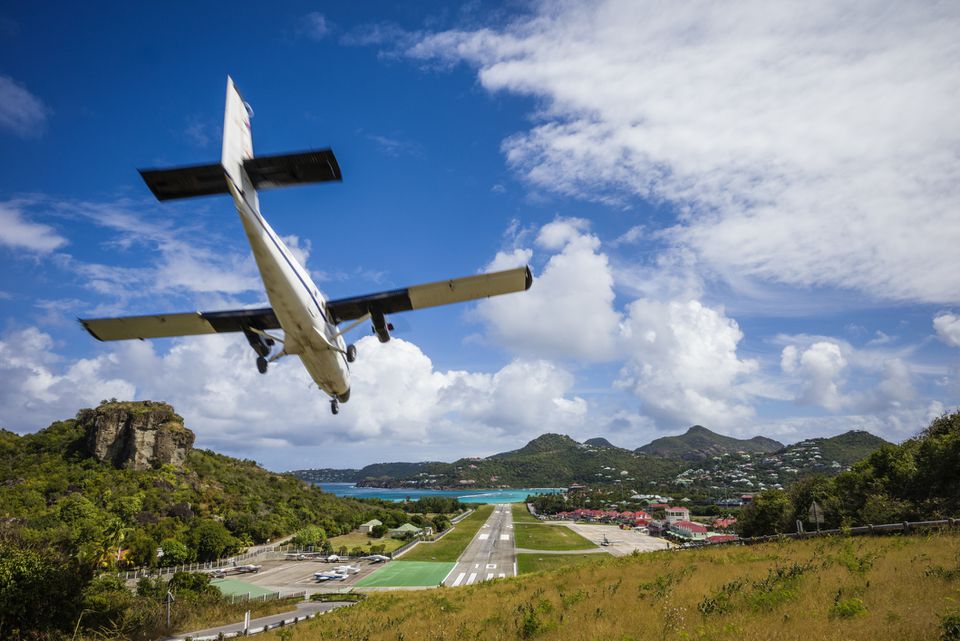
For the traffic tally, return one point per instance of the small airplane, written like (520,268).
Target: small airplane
(347,569)
(310,323)
(377,558)
(329,576)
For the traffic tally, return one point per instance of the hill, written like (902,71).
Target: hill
(699,443)
(833,589)
(914,481)
(598,442)
(845,449)
(125,475)
(550,460)
(749,472)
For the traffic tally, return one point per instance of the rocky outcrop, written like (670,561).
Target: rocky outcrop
(137,436)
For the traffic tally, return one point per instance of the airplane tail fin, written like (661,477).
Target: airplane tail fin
(239,166)
(237,138)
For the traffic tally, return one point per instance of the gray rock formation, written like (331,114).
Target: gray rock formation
(137,436)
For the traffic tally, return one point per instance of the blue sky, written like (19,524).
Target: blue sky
(737,217)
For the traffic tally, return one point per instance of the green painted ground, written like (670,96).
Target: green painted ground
(232,586)
(527,563)
(407,574)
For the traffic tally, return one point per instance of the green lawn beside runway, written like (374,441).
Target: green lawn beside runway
(533,534)
(452,545)
(397,574)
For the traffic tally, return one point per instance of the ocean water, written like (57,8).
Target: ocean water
(513,495)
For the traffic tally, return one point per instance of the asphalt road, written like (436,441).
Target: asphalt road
(302,610)
(491,553)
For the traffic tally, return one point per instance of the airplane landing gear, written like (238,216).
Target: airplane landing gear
(334,407)
(261,364)
(351,353)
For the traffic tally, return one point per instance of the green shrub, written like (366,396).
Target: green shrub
(847,608)
(950,626)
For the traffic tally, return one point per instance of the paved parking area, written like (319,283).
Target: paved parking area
(622,542)
(297,576)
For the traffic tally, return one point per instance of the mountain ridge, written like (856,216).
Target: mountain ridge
(698,443)
(554,460)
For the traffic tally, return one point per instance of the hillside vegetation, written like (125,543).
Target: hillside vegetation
(914,481)
(698,443)
(832,589)
(67,517)
(703,457)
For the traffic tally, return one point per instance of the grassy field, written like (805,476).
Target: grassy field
(357,538)
(884,588)
(407,574)
(536,536)
(451,546)
(522,515)
(527,563)
(533,534)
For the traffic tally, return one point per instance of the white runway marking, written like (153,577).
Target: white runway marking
(504,537)
(484,537)
(459,579)
(491,566)
(502,576)
(476,565)
(489,576)
(473,577)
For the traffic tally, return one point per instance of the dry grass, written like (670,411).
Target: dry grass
(884,588)
(359,539)
(529,563)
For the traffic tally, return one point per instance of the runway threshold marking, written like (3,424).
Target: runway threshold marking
(484,537)
(473,577)
(489,576)
(459,579)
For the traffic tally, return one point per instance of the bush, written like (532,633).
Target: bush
(847,608)
(950,626)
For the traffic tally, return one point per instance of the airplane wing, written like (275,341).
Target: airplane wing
(189,324)
(442,292)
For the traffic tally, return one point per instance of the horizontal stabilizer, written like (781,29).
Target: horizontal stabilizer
(442,292)
(188,324)
(186,182)
(265,172)
(291,169)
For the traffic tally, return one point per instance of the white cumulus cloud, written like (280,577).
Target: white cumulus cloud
(806,143)
(683,363)
(948,328)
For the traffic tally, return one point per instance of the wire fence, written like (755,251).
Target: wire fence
(263,598)
(261,553)
(886,528)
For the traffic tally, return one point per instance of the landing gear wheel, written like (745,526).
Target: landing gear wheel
(261,364)
(335,407)
(351,353)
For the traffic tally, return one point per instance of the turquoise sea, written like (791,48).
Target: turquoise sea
(515,495)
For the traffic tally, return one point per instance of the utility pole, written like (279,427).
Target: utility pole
(169,600)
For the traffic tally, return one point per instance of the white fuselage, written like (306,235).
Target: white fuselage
(296,301)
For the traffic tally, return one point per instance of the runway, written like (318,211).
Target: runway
(491,553)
